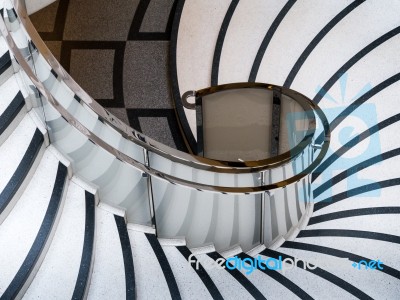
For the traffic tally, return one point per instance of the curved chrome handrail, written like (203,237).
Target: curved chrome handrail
(147,169)
(126,131)
(304,102)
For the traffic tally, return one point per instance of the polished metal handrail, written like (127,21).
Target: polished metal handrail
(300,99)
(128,132)
(153,147)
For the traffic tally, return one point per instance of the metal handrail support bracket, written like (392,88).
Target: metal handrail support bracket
(262,217)
(150,191)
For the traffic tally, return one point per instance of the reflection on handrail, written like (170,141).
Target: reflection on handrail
(149,144)
(240,203)
(127,132)
(300,99)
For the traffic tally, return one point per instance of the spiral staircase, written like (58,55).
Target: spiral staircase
(67,233)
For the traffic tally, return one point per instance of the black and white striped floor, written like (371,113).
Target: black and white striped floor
(59,241)
(343,55)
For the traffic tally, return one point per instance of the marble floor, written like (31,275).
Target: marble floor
(118,51)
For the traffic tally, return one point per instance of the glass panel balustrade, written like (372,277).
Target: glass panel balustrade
(205,201)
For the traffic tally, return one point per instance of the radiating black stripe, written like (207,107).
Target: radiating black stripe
(22,170)
(347,173)
(166,268)
(240,278)
(357,103)
(11,111)
(267,39)
(352,143)
(352,61)
(41,238)
(350,233)
(318,38)
(339,253)
(5,62)
(356,191)
(291,286)
(354,213)
(128,259)
(321,273)
(220,41)
(184,125)
(82,283)
(202,273)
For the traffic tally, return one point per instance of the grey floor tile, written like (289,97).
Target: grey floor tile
(94,20)
(45,19)
(157,15)
(146,83)
(55,48)
(144,86)
(158,129)
(93,70)
(120,113)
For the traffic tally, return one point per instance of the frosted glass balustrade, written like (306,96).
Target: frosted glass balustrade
(183,207)
(206,218)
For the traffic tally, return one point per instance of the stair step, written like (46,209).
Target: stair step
(6,69)
(385,251)
(189,282)
(373,222)
(150,279)
(5,62)
(127,254)
(85,269)
(378,286)
(387,197)
(58,273)
(27,231)
(108,278)
(8,91)
(3,45)
(319,289)
(11,113)
(227,285)
(19,157)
